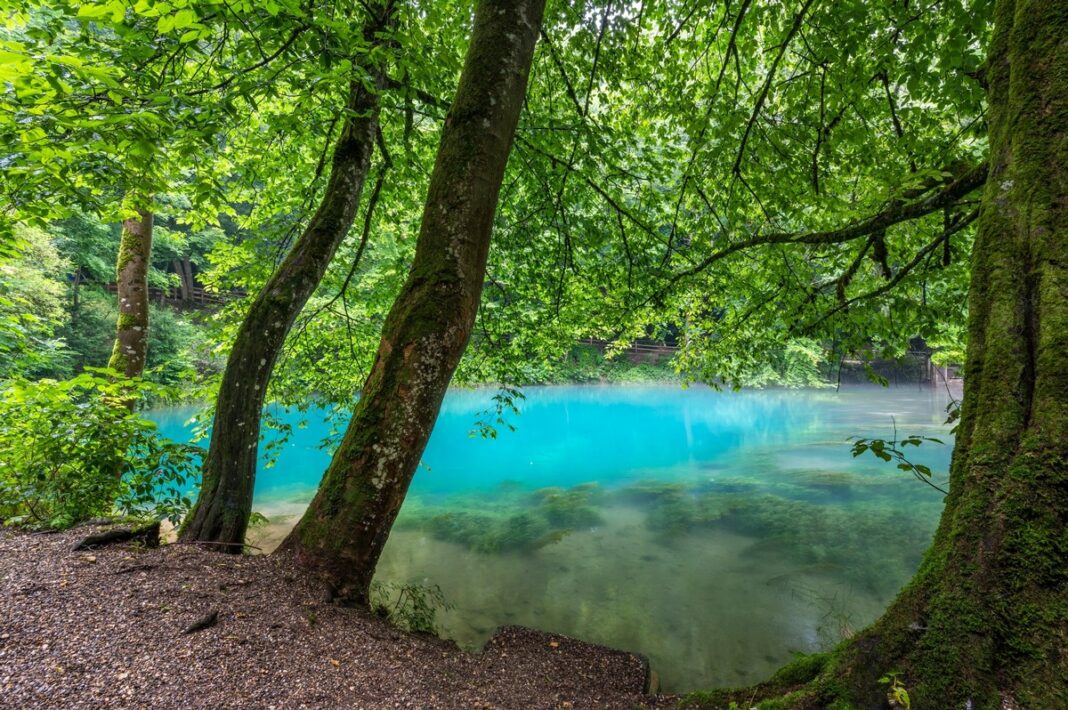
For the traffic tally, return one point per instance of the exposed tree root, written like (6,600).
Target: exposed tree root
(146,534)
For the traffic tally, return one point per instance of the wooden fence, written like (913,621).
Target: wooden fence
(195,296)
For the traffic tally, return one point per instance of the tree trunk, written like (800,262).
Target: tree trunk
(75,303)
(131,281)
(342,533)
(984,624)
(222,510)
(184,269)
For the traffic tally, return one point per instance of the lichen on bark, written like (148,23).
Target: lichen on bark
(130,349)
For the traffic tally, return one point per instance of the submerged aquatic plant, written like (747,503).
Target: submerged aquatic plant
(820,539)
(570,508)
(519,523)
(679,513)
(648,491)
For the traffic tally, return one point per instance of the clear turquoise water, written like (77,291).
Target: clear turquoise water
(718,533)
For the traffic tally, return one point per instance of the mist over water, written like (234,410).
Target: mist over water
(717,533)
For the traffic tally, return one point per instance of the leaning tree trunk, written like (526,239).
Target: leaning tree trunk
(984,624)
(131,281)
(343,531)
(222,510)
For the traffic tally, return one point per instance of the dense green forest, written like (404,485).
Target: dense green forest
(356,205)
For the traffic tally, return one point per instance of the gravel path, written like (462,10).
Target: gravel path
(104,629)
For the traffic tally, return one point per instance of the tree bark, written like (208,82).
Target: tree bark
(223,507)
(131,281)
(984,624)
(342,533)
(184,269)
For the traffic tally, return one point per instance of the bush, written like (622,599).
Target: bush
(31,306)
(411,607)
(73,450)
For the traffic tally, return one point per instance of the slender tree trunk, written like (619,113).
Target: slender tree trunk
(187,277)
(984,624)
(184,270)
(131,280)
(342,533)
(222,510)
(76,303)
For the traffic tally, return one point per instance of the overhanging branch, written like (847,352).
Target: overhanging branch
(896,213)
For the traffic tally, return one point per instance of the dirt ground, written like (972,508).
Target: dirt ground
(107,628)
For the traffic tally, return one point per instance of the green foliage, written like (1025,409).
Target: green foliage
(88,244)
(178,347)
(32,306)
(412,607)
(72,450)
(54,320)
(89,332)
(894,450)
(630,172)
(798,364)
(587,363)
(505,403)
(897,694)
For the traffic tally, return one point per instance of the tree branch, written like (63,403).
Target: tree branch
(896,213)
(763,95)
(898,277)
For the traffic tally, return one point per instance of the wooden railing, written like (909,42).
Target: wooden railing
(196,295)
(640,349)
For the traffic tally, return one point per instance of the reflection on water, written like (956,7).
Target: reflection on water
(717,533)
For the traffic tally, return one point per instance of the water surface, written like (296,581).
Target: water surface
(717,533)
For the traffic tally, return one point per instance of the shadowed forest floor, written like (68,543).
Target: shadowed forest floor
(106,628)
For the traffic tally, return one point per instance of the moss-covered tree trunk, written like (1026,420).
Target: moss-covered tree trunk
(984,624)
(342,533)
(131,286)
(222,510)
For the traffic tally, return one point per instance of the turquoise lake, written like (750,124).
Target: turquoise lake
(718,533)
